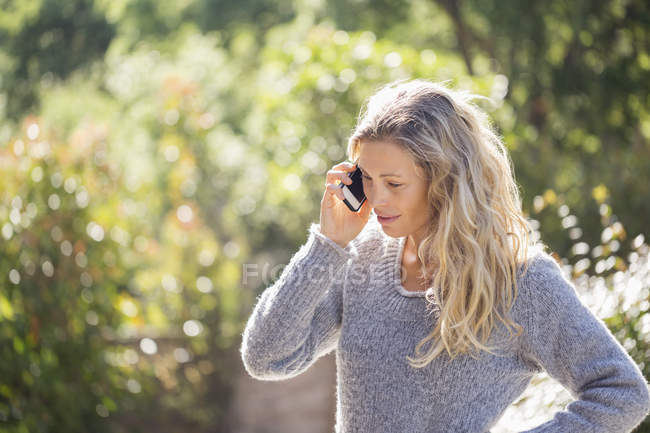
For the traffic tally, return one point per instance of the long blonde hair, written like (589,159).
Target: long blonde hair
(478,236)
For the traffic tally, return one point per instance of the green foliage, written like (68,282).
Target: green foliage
(147,299)
(35,35)
(62,275)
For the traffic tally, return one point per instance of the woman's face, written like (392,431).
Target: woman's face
(394,188)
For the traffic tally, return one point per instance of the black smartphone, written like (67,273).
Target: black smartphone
(353,193)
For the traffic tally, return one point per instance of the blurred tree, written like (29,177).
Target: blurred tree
(579,76)
(167,331)
(226,17)
(62,278)
(46,40)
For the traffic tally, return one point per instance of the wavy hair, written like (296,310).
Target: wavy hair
(478,235)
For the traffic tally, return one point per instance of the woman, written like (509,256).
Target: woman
(443,269)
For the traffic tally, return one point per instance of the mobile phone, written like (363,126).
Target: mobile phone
(353,193)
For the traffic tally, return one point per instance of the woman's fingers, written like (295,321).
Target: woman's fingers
(342,176)
(343,168)
(348,166)
(333,189)
(337,175)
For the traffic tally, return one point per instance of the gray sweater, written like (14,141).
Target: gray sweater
(351,299)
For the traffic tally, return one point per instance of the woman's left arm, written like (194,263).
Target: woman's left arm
(578,350)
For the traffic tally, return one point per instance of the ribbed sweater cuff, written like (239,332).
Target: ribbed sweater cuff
(348,252)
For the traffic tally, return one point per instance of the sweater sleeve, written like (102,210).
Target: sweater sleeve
(298,318)
(577,349)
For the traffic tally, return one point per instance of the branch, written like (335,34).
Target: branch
(462,33)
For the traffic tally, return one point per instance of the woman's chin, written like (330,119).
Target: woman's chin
(391,231)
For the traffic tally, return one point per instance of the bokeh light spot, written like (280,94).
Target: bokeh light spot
(133,386)
(81,260)
(32,131)
(95,231)
(37,174)
(170,283)
(56,233)
(206,257)
(184,213)
(19,147)
(148,346)
(47,268)
(393,59)
(181,355)
(340,37)
(92,318)
(66,248)
(130,356)
(204,284)
(128,308)
(14,276)
(171,153)
(70,185)
(291,182)
(231,249)
(82,198)
(192,328)
(53,201)
(171,117)
(7,231)
(428,57)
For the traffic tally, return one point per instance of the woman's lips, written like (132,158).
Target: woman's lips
(383,220)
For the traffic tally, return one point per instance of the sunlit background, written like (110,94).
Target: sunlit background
(151,150)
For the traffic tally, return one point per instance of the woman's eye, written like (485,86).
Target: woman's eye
(391,184)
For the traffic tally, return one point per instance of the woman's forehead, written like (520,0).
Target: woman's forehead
(384,158)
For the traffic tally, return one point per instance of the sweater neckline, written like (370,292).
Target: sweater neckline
(394,299)
(397,271)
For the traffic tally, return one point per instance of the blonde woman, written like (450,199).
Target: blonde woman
(439,305)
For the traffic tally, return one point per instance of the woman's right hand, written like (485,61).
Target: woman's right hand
(337,221)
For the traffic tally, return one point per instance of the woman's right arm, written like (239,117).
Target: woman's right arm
(298,318)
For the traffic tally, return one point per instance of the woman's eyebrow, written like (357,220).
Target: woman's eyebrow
(381,175)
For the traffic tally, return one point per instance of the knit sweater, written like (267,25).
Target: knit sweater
(351,300)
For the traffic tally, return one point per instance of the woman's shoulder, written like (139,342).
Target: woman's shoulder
(546,286)
(539,267)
